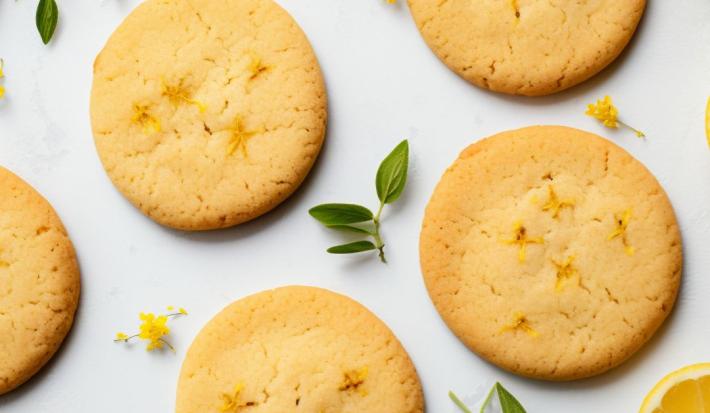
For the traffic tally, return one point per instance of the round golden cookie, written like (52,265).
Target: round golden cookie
(527,47)
(39,281)
(207,113)
(551,252)
(298,349)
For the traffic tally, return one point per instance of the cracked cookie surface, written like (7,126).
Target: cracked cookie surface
(297,349)
(207,114)
(551,252)
(39,282)
(527,47)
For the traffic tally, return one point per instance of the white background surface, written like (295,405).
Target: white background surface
(384,85)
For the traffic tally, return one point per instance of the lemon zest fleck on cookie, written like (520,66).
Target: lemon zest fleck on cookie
(608,114)
(153,329)
(565,271)
(622,223)
(179,94)
(240,137)
(520,322)
(230,401)
(353,380)
(256,65)
(555,204)
(142,117)
(521,238)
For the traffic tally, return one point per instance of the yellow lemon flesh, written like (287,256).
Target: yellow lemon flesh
(684,391)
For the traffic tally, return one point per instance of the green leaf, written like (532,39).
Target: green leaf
(46,19)
(353,247)
(458,403)
(340,214)
(392,174)
(508,402)
(350,228)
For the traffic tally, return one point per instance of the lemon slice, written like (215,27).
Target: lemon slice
(684,391)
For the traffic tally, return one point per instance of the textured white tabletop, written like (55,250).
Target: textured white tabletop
(383,84)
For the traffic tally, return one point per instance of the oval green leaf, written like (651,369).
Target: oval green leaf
(508,402)
(340,214)
(353,247)
(46,19)
(350,228)
(392,174)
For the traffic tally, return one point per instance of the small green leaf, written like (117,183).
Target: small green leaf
(353,247)
(46,19)
(350,228)
(340,214)
(458,403)
(392,174)
(508,402)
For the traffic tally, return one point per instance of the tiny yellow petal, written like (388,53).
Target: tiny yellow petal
(171,308)
(121,337)
(182,311)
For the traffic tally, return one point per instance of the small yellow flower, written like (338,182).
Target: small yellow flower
(231,401)
(256,65)
(707,122)
(2,75)
(622,223)
(565,271)
(391,1)
(353,380)
(605,111)
(170,308)
(182,311)
(179,94)
(522,240)
(142,117)
(153,329)
(240,137)
(520,322)
(554,204)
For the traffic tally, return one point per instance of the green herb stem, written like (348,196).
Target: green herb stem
(458,402)
(376,234)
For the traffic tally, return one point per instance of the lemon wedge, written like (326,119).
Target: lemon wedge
(684,391)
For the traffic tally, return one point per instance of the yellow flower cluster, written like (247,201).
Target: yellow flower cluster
(2,75)
(153,329)
(608,114)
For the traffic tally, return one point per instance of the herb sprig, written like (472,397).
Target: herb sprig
(390,181)
(46,19)
(508,402)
